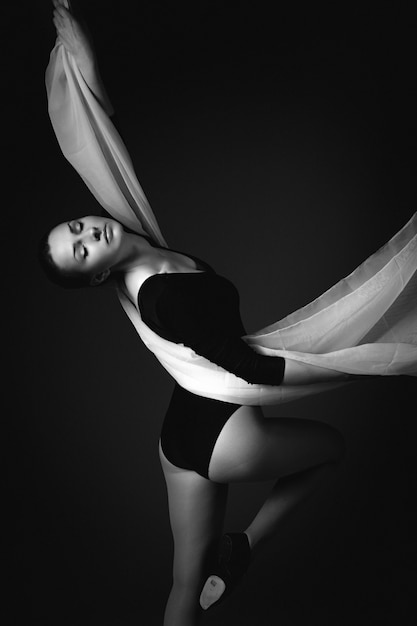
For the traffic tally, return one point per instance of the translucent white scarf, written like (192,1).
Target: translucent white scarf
(365,324)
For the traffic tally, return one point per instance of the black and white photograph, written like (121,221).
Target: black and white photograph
(211,345)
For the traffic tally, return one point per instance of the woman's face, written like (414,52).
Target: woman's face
(88,245)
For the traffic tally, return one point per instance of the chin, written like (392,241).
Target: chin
(117,230)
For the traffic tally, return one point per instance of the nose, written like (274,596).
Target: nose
(93,234)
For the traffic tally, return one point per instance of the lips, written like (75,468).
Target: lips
(108,234)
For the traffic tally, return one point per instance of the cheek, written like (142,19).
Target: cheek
(99,259)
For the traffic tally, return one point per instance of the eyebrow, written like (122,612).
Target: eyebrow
(74,249)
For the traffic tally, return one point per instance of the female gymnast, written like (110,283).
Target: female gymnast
(214,432)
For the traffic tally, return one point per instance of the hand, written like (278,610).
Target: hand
(73,37)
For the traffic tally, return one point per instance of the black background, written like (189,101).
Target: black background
(276,141)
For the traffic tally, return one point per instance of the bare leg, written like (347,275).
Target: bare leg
(76,39)
(303,454)
(287,494)
(196,510)
(254,448)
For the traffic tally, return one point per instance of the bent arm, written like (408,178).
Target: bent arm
(235,356)
(179,311)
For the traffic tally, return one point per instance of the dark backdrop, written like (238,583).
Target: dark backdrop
(277,142)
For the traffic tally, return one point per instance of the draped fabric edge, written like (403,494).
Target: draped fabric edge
(90,142)
(374,300)
(399,244)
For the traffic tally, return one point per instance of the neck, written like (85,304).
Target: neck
(139,253)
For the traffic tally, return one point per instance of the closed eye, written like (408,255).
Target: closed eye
(80,251)
(75,227)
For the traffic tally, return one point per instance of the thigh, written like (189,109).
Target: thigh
(196,509)
(251,447)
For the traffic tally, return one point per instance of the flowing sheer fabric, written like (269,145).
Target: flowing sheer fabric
(365,324)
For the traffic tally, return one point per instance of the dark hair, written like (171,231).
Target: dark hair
(68,280)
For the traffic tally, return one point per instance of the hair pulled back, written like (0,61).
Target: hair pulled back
(68,280)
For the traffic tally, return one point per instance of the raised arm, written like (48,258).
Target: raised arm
(75,37)
(80,110)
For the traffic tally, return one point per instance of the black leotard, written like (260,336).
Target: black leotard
(201,310)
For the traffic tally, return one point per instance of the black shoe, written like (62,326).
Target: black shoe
(233,560)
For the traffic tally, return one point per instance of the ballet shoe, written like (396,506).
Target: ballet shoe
(233,559)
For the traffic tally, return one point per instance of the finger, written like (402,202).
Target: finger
(63,12)
(57,20)
(63,21)
(62,3)
(56,23)
(58,16)
(65,42)
(62,30)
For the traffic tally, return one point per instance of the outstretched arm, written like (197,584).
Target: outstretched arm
(79,110)
(74,36)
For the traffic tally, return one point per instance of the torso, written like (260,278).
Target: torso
(173,262)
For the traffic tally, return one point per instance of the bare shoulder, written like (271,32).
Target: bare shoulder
(134,280)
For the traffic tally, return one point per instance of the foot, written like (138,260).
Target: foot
(232,562)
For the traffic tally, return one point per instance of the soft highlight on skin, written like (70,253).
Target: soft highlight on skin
(302,456)
(91,245)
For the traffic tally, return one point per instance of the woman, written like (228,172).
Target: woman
(214,432)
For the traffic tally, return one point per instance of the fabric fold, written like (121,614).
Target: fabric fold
(366,324)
